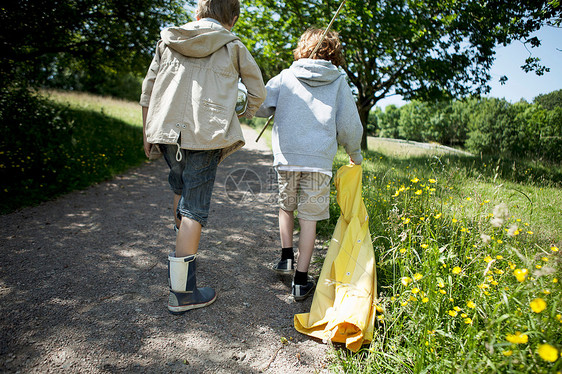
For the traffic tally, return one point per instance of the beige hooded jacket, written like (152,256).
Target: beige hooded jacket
(191,88)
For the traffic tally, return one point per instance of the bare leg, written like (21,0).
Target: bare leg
(187,240)
(307,238)
(286,226)
(176,201)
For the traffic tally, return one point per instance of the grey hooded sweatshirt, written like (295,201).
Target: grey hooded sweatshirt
(314,111)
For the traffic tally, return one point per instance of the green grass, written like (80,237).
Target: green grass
(450,234)
(58,142)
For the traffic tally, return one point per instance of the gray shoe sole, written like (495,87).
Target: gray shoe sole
(177,310)
(283,271)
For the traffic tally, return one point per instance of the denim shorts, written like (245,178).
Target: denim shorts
(193,178)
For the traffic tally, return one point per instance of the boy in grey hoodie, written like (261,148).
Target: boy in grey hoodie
(188,104)
(314,111)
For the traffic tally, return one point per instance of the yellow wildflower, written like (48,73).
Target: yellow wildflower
(404,303)
(406,281)
(545,259)
(499,257)
(554,248)
(517,338)
(441,284)
(470,304)
(548,352)
(457,309)
(415,180)
(538,305)
(424,246)
(464,315)
(455,220)
(507,353)
(418,192)
(431,180)
(402,250)
(415,290)
(418,276)
(521,274)
(437,216)
(443,292)
(456,270)
(453,313)
(468,321)
(425,300)
(488,259)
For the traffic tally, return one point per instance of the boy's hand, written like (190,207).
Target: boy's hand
(353,162)
(147,148)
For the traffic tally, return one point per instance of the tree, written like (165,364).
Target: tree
(419,49)
(42,38)
(550,101)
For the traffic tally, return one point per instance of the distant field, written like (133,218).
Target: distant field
(128,111)
(404,148)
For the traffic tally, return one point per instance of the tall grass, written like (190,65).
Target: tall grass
(56,143)
(468,266)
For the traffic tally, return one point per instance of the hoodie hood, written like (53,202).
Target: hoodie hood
(197,39)
(315,72)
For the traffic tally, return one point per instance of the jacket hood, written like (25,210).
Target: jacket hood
(197,39)
(315,72)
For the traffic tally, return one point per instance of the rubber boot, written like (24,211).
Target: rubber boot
(184,294)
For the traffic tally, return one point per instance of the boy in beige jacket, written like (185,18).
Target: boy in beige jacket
(188,104)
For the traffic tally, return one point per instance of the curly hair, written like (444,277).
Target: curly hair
(223,11)
(331,48)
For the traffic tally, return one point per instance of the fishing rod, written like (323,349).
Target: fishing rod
(311,56)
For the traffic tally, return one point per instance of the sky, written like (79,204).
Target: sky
(520,85)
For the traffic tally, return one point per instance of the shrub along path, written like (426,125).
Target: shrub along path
(83,280)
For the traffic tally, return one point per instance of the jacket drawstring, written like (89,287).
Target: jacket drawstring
(179,155)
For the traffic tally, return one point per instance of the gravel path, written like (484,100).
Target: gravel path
(83,283)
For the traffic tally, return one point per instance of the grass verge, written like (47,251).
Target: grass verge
(469,266)
(57,142)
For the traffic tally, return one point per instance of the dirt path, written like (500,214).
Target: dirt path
(83,283)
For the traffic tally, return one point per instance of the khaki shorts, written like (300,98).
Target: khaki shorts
(306,192)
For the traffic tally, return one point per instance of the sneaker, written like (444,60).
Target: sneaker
(301,292)
(284,267)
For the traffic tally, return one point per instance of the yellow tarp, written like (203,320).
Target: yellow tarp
(343,305)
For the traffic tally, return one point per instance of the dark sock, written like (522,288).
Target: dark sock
(301,278)
(287,254)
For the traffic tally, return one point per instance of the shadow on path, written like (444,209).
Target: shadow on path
(83,284)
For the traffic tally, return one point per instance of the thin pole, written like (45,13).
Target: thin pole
(327,29)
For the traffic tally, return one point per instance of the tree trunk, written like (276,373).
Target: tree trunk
(364,116)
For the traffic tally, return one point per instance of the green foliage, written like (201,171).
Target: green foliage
(43,38)
(48,149)
(550,101)
(492,127)
(468,270)
(418,49)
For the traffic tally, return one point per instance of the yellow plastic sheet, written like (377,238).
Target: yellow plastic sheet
(343,305)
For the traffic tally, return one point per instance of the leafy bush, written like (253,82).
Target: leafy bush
(48,149)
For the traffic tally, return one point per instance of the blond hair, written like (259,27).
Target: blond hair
(331,48)
(223,11)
